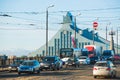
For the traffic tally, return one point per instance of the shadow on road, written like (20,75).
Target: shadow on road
(6,75)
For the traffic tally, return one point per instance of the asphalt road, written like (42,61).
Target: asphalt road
(71,73)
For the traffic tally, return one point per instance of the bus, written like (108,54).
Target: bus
(69,53)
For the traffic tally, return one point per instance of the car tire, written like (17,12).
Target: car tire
(33,71)
(19,73)
(10,70)
(50,68)
(114,75)
(95,76)
(38,71)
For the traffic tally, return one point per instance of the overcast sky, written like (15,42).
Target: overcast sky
(22,30)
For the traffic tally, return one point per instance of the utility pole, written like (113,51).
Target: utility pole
(117,40)
(75,28)
(47,28)
(112,33)
(106,34)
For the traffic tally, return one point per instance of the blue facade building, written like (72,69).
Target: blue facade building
(62,39)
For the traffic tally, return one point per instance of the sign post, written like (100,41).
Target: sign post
(95,25)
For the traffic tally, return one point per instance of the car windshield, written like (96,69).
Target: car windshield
(93,58)
(51,59)
(106,53)
(101,64)
(17,62)
(82,57)
(28,63)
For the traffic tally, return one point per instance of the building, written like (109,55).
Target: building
(62,39)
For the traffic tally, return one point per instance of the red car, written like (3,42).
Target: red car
(117,57)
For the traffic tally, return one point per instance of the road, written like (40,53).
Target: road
(82,73)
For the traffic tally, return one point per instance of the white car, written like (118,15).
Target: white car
(83,60)
(104,68)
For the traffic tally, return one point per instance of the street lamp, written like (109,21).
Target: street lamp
(106,33)
(75,27)
(117,38)
(47,28)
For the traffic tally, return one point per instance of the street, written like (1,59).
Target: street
(71,73)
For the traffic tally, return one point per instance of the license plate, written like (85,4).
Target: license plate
(46,66)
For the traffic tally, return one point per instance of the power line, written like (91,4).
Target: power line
(35,12)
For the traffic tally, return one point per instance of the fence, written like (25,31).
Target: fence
(7,62)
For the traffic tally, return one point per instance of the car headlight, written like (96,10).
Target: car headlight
(52,63)
(41,64)
(66,62)
(18,68)
(9,67)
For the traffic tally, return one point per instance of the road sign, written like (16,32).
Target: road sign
(95,25)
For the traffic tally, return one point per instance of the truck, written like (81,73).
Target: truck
(94,50)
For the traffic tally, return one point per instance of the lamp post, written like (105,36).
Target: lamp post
(75,27)
(117,38)
(112,33)
(106,33)
(47,28)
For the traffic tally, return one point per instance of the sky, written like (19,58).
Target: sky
(24,27)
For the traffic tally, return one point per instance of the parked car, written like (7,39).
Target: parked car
(83,60)
(104,68)
(15,65)
(29,66)
(108,55)
(51,62)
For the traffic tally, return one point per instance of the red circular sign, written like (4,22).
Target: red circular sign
(95,24)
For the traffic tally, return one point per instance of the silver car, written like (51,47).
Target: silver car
(104,68)
(29,66)
(83,60)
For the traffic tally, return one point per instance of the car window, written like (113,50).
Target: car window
(82,57)
(49,59)
(28,63)
(17,62)
(101,64)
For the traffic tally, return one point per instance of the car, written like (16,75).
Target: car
(51,62)
(70,62)
(14,66)
(83,60)
(108,55)
(29,66)
(104,68)
(117,57)
(94,59)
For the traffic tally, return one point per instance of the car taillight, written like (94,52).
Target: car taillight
(94,68)
(108,69)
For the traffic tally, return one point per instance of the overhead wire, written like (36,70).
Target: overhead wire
(112,18)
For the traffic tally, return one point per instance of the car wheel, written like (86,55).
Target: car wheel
(114,75)
(19,73)
(38,71)
(9,70)
(95,76)
(58,68)
(111,76)
(33,71)
(50,68)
